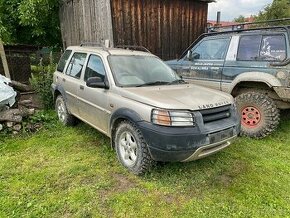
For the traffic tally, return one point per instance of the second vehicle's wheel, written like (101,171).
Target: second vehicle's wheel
(132,149)
(63,115)
(259,114)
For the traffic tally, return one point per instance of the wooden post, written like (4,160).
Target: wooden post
(4,60)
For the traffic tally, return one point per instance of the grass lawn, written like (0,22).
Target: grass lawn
(72,172)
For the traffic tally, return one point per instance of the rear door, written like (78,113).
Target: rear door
(71,81)
(207,66)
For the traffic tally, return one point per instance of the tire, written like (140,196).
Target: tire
(63,115)
(259,114)
(131,148)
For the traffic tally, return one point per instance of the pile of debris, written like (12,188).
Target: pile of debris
(13,107)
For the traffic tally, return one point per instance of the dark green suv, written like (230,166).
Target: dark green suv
(253,65)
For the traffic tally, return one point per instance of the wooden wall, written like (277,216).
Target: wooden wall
(165,27)
(85,20)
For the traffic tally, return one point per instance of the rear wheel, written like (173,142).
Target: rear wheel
(63,115)
(132,149)
(259,114)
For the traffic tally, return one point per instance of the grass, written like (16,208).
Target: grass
(72,172)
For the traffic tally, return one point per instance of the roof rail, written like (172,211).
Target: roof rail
(228,32)
(133,47)
(244,26)
(94,44)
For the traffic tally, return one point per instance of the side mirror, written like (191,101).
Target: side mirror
(195,56)
(192,56)
(96,82)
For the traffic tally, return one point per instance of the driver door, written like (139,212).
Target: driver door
(206,65)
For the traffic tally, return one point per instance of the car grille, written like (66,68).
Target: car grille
(210,115)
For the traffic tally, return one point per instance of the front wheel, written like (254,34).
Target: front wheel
(259,114)
(132,149)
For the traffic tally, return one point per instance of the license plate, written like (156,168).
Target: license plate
(220,136)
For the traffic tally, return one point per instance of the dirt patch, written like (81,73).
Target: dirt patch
(123,183)
(237,169)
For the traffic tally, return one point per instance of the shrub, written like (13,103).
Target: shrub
(41,83)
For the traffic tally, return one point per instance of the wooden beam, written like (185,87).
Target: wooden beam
(4,60)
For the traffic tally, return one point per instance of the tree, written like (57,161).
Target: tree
(240,19)
(30,22)
(277,10)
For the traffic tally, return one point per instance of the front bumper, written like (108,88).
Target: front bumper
(183,144)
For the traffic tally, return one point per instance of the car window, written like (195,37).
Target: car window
(95,68)
(258,47)
(63,60)
(137,70)
(213,49)
(249,48)
(273,47)
(76,65)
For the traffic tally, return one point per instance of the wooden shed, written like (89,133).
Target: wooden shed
(165,27)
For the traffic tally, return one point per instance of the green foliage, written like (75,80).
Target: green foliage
(277,10)
(73,172)
(30,22)
(43,118)
(41,83)
(240,19)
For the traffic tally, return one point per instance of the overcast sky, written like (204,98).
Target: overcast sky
(231,9)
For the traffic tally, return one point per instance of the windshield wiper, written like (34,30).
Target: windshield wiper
(178,81)
(153,83)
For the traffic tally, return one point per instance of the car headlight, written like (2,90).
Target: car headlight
(172,118)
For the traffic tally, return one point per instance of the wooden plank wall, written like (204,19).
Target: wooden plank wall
(165,27)
(85,20)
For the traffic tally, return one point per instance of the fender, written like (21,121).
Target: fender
(266,78)
(124,113)
(60,89)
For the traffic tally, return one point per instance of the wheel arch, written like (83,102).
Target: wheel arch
(120,115)
(257,80)
(58,90)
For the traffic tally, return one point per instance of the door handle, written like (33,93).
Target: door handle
(82,87)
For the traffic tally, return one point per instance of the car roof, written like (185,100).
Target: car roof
(108,51)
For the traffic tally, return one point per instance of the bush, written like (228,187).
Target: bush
(41,83)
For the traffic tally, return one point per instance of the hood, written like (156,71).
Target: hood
(172,62)
(185,96)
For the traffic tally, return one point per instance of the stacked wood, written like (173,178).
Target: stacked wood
(11,119)
(20,86)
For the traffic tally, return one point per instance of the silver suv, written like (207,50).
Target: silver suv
(146,109)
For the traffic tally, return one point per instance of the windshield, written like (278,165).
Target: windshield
(131,71)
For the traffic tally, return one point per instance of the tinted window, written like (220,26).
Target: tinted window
(214,49)
(273,47)
(95,68)
(249,48)
(76,65)
(63,60)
